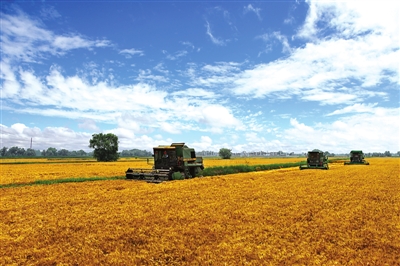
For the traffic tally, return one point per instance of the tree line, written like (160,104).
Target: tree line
(49,152)
(53,152)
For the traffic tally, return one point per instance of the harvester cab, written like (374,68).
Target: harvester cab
(171,162)
(357,157)
(316,159)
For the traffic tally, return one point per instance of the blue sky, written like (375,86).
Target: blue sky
(248,76)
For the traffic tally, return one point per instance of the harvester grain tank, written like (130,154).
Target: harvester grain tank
(357,157)
(171,162)
(316,159)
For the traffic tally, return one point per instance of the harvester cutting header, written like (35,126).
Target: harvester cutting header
(171,162)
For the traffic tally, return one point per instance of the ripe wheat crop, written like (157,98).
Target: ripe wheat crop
(347,215)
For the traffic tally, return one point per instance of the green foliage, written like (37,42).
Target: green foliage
(233,169)
(60,181)
(105,147)
(136,153)
(51,151)
(225,153)
(30,153)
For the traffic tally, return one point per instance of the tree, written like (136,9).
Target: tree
(13,151)
(387,154)
(4,151)
(225,153)
(63,152)
(51,151)
(30,152)
(81,153)
(105,147)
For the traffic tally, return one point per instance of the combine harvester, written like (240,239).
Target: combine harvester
(357,157)
(171,162)
(316,159)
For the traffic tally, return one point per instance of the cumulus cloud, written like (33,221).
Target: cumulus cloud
(376,132)
(344,66)
(60,137)
(88,124)
(218,117)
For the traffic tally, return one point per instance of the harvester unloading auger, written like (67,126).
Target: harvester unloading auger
(171,162)
(356,157)
(316,159)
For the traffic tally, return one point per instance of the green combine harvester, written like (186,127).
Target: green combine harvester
(316,159)
(171,162)
(356,157)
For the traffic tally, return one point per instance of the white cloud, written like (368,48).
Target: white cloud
(128,53)
(344,67)
(376,132)
(355,108)
(250,8)
(204,144)
(60,137)
(49,12)
(331,98)
(25,39)
(88,124)
(195,92)
(326,66)
(222,68)
(270,37)
(215,40)
(146,75)
(218,117)
(176,55)
(352,18)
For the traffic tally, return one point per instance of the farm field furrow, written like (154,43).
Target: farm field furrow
(347,215)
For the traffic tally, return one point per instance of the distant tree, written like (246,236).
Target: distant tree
(387,154)
(135,153)
(21,152)
(105,147)
(81,153)
(3,151)
(30,152)
(225,153)
(51,151)
(13,151)
(63,152)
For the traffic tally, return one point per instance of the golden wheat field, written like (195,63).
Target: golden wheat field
(347,215)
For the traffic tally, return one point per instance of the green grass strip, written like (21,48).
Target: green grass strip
(59,181)
(234,169)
